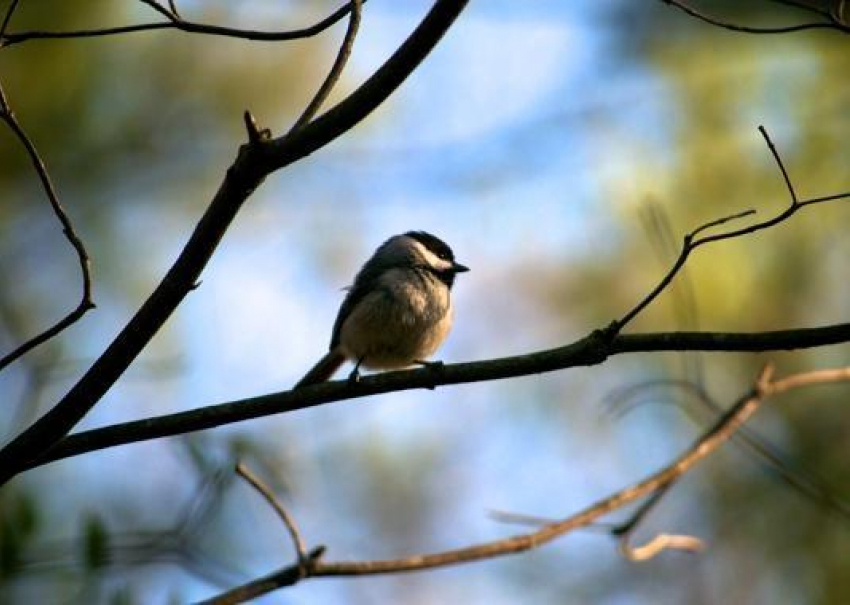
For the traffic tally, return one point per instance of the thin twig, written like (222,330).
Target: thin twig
(831,24)
(692,242)
(722,221)
(781,164)
(159,8)
(803,6)
(172,4)
(184,26)
(805,481)
(725,426)
(85,304)
(7,19)
(659,543)
(336,70)
(298,542)
(625,532)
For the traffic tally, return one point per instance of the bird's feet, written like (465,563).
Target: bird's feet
(354,377)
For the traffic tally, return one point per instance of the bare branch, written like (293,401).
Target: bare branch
(721,221)
(703,447)
(781,164)
(254,162)
(173,6)
(591,350)
(159,8)
(624,531)
(175,22)
(805,481)
(7,19)
(803,6)
(85,304)
(691,242)
(832,23)
(658,544)
(298,542)
(336,70)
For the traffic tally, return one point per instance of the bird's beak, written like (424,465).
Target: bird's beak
(458,268)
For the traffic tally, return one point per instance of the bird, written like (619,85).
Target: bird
(397,312)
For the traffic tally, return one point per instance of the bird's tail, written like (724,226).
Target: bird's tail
(323,370)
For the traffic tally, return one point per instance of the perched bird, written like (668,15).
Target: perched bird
(397,311)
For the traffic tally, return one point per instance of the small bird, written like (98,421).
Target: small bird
(397,311)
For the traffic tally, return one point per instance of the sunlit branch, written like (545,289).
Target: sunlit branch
(709,442)
(805,481)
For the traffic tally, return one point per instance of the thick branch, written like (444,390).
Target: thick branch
(591,350)
(255,161)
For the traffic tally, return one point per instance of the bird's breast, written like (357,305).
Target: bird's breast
(403,320)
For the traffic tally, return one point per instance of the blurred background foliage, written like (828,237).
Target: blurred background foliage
(563,150)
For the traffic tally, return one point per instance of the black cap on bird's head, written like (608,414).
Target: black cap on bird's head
(439,248)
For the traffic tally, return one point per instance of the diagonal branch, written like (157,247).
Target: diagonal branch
(336,69)
(160,9)
(176,22)
(256,160)
(726,425)
(8,18)
(173,6)
(85,304)
(805,481)
(264,490)
(803,6)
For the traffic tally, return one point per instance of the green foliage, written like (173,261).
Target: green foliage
(19,525)
(94,543)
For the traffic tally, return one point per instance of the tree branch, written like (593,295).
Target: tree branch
(175,22)
(297,541)
(692,242)
(336,69)
(591,350)
(805,481)
(8,18)
(726,425)
(832,23)
(85,304)
(255,161)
